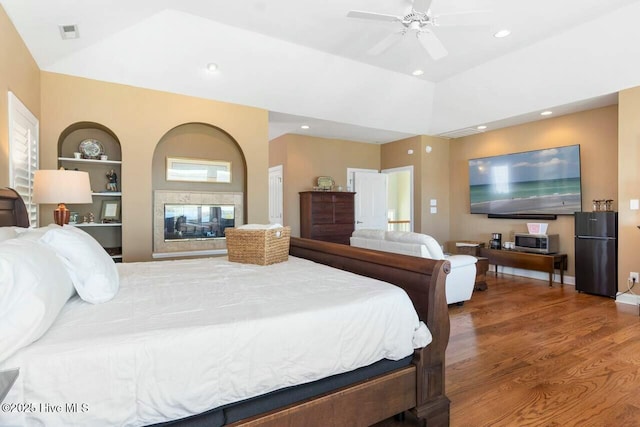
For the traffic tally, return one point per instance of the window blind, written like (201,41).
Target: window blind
(23,153)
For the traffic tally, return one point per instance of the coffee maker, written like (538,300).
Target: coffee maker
(496,241)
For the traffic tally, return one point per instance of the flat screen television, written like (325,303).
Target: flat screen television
(539,182)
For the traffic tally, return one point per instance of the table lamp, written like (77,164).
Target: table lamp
(59,187)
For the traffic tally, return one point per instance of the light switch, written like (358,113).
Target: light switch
(434,202)
(634,204)
(434,210)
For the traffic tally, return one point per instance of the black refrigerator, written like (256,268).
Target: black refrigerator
(597,253)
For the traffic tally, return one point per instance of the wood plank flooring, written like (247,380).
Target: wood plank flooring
(526,354)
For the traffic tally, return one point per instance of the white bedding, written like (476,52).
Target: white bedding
(182,337)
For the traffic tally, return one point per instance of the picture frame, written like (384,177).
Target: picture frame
(110,211)
(198,170)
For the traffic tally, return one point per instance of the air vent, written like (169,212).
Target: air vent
(69,31)
(460,133)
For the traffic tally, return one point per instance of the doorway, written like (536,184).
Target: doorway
(400,198)
(276,195)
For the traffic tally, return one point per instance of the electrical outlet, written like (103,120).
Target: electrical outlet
(634,277)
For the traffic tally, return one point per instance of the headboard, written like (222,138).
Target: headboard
(12,209)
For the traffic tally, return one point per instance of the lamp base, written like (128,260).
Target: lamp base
(61,215)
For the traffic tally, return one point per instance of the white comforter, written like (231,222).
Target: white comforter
(182,337)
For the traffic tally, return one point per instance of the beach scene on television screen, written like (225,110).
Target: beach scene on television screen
(533,182)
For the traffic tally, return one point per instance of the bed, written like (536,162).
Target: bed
(369,393)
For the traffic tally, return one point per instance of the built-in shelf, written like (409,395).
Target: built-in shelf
(73,159)
(107,193)
(97,224)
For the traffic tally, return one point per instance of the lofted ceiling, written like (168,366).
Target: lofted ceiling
(306,62)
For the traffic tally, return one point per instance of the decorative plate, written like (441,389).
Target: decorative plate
(91,148)
(325,182)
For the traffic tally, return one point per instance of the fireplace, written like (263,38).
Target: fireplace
(197,222)
(190,222)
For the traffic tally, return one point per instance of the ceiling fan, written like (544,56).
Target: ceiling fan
(420,20)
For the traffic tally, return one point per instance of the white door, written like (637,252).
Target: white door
(276,205)
(370,200)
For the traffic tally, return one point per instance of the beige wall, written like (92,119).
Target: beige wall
(628,184)
(597,133)
(140,118)
(304,158)
(431,180)
(20,74)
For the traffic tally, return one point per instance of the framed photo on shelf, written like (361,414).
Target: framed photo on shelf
(110,211)
(198,170)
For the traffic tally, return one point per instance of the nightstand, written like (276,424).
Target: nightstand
(482,266)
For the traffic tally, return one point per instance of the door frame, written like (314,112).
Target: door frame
(408,168)
(276,171)
(350,175)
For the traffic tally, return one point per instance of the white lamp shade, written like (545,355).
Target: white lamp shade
(61,186)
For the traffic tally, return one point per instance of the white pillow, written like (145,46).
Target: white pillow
(92,270)
(432,245)
(34,234)
(7,233)
(34,286)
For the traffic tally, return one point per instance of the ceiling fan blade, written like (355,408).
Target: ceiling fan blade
(373,16)
(386,43)
(432,44)
(422,5)
(477,17)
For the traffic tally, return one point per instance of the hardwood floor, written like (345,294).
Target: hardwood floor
(524,354)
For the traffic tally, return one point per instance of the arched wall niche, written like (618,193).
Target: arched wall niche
(74,134)
(198,141)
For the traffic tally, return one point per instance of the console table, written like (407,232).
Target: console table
(527,261)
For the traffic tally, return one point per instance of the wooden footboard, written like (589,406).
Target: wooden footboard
(424,282)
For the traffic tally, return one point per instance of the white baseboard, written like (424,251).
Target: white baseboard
(627,298)
(540,275)
(622,298)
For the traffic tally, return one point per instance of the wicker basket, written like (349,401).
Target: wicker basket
(261,247)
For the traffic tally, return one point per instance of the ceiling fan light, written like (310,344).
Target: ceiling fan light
(502,33)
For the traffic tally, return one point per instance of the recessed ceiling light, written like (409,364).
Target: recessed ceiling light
(482,127)
(304,127)
(502,33)
(546,113)
(212,67)
(417,72)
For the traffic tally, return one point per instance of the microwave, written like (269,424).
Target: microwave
(538,243)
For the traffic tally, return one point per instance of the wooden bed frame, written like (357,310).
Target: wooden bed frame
(419,387)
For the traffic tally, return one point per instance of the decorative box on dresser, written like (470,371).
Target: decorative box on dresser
(327,215)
